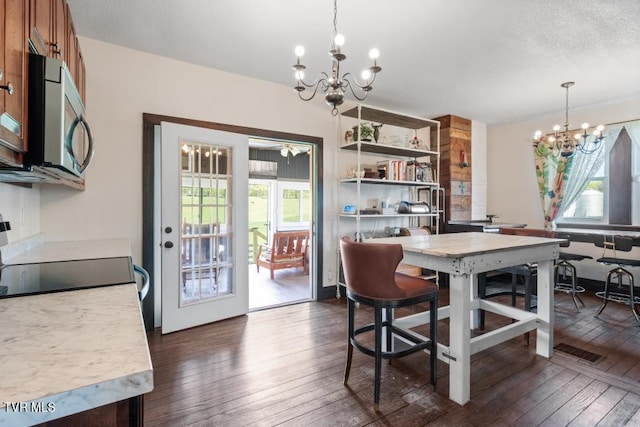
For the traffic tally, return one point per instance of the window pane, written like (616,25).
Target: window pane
(590,204)
(306,206)
(207,263)
(291,206)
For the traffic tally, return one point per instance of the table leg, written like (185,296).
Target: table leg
(475,316)
(544,338)
(459,340)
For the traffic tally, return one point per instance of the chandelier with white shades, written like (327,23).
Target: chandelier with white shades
(566,143)
(333,85)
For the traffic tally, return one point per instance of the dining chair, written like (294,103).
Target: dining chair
(371,279)
(622,292)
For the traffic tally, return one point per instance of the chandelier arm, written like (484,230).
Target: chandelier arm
(347,84)
(355,80)
(316,85)
(596,145)
(321,77)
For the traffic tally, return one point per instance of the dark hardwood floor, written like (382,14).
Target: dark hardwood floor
(284,367)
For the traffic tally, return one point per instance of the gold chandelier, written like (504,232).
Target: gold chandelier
(333,85)
(565,143)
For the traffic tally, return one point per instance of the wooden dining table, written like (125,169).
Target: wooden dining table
(463,256)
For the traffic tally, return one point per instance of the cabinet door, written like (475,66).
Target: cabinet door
(81,82)
(13,65)
(59,33)
(72,49)
(40,26)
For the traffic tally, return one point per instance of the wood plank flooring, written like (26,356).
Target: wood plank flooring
(284,367)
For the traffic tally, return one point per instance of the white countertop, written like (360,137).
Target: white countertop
(73,350)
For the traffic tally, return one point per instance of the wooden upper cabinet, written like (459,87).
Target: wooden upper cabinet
(81,81)
(59,29)
(40,28)
(72,51)
(13,56)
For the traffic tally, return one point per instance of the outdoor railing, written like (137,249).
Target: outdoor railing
(255,240)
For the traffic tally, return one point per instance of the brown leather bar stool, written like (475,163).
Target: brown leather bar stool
(621,292)
(565,268)
(371,279)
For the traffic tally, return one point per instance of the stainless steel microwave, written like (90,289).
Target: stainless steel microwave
(59,136)
(59,139)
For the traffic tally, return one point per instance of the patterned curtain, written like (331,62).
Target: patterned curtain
(552,173)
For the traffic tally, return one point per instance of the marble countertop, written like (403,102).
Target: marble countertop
(66,352)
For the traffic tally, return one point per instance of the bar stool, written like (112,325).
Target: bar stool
(617,274)
(371,279)
(565,267)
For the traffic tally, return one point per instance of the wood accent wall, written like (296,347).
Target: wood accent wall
(455,136)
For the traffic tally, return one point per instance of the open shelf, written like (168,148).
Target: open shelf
(389,150)
(388,182)
(394,119)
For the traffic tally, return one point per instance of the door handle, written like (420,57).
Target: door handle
(168,245)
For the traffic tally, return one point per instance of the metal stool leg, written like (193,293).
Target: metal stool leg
(568,269)
(606,292)
(633,299)
(574,290)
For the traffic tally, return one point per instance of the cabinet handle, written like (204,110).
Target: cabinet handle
(56,50)
(8,87)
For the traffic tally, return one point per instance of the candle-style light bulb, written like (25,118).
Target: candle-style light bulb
(339,40)
(299,51)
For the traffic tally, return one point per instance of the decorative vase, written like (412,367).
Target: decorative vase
(376,132)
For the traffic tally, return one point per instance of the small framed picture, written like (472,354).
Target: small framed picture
(423,172)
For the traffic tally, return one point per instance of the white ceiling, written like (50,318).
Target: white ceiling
(496,61)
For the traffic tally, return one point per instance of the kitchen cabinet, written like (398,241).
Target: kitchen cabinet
(13,43)
(71,57)
(40,28)
(59,13)
(383,175)
(48,27)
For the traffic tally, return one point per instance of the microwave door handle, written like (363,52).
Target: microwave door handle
(82,120)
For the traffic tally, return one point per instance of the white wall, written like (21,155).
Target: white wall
(122,84)
(512,186)
(21,207)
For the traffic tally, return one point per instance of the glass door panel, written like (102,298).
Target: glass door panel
(206,212)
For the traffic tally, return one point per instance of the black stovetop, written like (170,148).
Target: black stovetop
(27,279)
